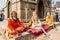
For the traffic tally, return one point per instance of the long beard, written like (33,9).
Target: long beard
(14,18)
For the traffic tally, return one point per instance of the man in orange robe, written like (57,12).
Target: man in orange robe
(14,25)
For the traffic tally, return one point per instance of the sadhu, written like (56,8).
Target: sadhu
(15,26)
(36,26)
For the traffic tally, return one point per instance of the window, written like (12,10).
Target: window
(30,11)
(22,11)
(26,11)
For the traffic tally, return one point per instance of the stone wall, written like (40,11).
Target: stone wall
(24,13)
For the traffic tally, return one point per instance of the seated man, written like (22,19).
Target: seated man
(36,25)
(35,21)
(14,25)
(49,19)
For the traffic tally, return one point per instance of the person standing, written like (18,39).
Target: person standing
(57,17)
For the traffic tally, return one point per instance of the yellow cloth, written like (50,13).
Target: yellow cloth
(30,22)
(49,20)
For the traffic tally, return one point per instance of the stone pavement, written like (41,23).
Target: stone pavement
(54,34)
(3,24)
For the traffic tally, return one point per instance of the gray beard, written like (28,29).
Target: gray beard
(14,18)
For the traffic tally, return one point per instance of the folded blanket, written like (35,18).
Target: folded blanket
(37,31)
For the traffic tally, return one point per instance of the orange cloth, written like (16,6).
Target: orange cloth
(31,20)
(12,25)
(49,20)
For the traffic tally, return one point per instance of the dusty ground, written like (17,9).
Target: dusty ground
(54,35)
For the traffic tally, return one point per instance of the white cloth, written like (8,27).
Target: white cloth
(52,24)
(36,25)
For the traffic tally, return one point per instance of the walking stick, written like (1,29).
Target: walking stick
(54,27)
(45,33)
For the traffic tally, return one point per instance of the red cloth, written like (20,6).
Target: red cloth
(4,31)
(37,31)
(12,25)
(34,31)
(46,27)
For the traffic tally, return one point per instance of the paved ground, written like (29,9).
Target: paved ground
(3,24)
(54,35)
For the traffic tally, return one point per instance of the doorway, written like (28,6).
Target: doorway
(40,9)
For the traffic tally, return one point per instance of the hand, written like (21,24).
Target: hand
(19,29)
(13,31)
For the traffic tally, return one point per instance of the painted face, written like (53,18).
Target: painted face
(48,14)
(34,15)
(14,16)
